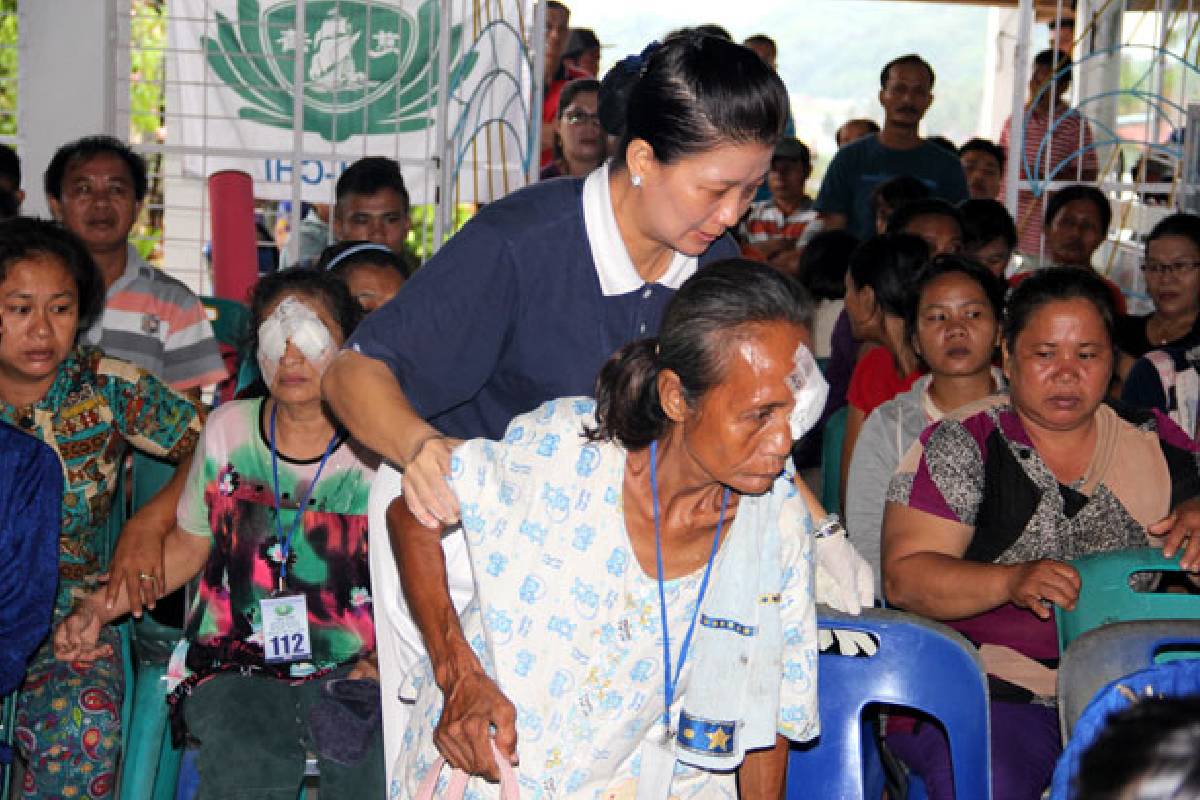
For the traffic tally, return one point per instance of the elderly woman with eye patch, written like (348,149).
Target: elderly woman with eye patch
(278,654)
(991,503)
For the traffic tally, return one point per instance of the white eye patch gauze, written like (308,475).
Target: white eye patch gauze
(810,390)
(292,321)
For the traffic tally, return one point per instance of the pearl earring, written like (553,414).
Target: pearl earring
(636,180)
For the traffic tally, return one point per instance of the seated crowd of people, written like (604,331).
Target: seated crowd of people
(579,443)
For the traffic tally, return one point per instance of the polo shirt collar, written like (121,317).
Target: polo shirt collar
(133,265)
(613,265)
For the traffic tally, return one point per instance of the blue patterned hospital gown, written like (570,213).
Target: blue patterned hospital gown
(568,623)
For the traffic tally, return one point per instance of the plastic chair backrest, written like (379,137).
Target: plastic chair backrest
(919,664)
(1176,679)
(1104,654)
(1105,595)
(230,323)
(831,460)
(230,320)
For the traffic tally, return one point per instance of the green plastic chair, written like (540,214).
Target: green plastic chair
(230,322)
(152,763)
(831,460)
(1105,595)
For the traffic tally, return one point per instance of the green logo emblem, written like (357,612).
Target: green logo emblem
(284,610)
(368,68)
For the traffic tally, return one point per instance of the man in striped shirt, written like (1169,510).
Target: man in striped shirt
(1058,144)
(95,187)
(774,230)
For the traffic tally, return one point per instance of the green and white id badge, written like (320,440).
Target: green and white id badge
(285,628)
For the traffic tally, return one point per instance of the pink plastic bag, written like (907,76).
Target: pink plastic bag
(509,790)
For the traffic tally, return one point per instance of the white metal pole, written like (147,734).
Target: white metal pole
(444,202)
(298,76)
(539,87)
(1016,128)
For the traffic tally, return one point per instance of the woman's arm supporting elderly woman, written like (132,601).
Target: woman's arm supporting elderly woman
(76,637)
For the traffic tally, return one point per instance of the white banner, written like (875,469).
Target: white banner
(372,82)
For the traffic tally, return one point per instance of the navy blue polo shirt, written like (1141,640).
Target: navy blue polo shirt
(510,313)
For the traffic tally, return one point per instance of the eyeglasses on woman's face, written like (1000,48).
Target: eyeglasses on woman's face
(1169,267)
(578,118)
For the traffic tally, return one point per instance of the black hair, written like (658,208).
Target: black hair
(580,41)
(984,221)
(698,91)
(943,142)
(574,89)
(1079,191)
(910,58)
(557,6)
(871,125)
(888,264)
(86,149)
(370,255)
(327,288)
(369,175)
(9,206)
(926,207)
(10,165)
(1055,60)
(823,264)
(1180,224)
(898,192)
(712,29)
(1153,745)
(23,238)
(978,145)
(1053,285)
(710,308)
(615,88)
(994,288)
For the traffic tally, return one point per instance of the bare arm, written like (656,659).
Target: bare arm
(473,702)
(140,547)
(184,555)
(924,571)
(365,395)
(763,773)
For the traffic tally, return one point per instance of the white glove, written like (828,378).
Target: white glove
(843,580)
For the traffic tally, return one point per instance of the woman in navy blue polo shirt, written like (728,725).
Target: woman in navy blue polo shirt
(527,301)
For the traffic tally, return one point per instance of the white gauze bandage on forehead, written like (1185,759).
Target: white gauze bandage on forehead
(292,321)
(809,389)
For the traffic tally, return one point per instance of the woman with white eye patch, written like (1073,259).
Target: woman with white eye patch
(279,648)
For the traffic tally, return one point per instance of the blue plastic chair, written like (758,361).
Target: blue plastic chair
(919,664)
(1175,679)
(1105,595)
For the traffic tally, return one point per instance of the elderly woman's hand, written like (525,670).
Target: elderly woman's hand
(1180,530)
(474,705)
(76,637)
(365,669)
(426,490)
(1036,585)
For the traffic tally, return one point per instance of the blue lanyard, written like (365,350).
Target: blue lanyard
(285,543)
(669,683)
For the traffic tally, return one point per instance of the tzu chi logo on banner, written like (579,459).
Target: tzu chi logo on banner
(368,68)
(370,84)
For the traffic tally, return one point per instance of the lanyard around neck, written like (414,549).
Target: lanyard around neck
(670,684)
(285,543)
